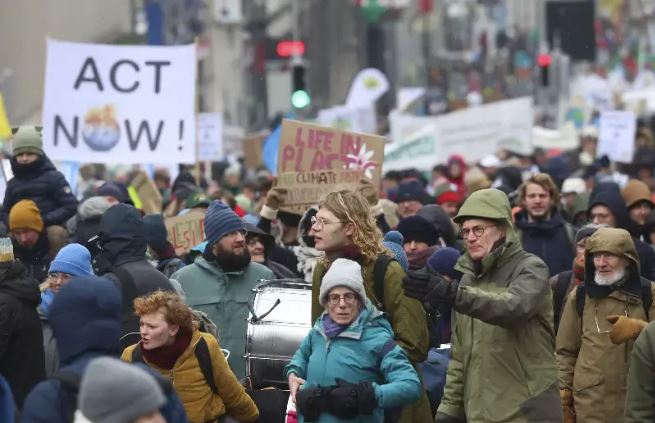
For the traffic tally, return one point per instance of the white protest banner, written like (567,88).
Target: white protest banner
(419,151)
(356,119)
(368,86)
(210,137)
(616,135)
(120,104)
(564,138)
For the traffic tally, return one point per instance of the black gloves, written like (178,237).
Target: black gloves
(348,400)
(430,289)
(312,401)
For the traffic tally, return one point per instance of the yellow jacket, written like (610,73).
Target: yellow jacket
(200,403)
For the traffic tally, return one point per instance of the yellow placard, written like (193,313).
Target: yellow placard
(5,127)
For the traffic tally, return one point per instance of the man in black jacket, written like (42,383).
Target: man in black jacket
(37,179)
(22,360)
(542,229)
(122,258)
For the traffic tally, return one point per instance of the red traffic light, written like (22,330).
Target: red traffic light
(288,48)
(544,60)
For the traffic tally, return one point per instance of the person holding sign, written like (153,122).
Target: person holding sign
(344,227)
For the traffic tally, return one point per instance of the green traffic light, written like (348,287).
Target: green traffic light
(300,99)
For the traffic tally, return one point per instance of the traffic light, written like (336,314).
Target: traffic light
(300,97)
(544,61)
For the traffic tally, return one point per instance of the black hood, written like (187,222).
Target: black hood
(610,197)
(31,170)
(121,235)
(15,282)
(267,239)
(523,223)
(440,219)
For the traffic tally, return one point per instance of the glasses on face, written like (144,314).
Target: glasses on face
(478,231)
(348,298)
(253,241)
(319,222)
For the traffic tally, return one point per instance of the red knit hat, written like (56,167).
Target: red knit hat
(449,197)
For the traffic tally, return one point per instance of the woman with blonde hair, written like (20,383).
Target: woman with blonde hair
(192,360)
(343,227)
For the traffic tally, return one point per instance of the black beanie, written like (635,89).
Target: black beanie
(416,228)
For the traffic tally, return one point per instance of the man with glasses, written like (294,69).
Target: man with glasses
(599,323)
(502,366)
(220,282)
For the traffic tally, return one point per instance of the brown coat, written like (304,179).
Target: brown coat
(588,364)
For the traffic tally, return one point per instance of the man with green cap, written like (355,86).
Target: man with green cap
(37,179)
(502,366)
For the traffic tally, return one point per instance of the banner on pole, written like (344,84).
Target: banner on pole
(616,135)
(187,231)
(314,160)
(120,104)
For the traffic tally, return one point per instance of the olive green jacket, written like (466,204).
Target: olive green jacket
(502,366)
(640,398)
(589,364)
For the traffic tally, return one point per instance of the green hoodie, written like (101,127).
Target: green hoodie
(502,366)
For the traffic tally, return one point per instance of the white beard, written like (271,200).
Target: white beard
(609,280)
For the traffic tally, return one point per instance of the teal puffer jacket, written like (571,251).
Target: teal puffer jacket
(365,351)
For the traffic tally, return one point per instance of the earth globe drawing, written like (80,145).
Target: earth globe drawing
(100,130)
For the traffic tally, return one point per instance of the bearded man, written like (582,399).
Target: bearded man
(600,322)
(220,282)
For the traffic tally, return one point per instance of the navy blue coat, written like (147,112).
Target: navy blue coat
(85,320)
(42,183)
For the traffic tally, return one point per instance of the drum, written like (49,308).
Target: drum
(280,318)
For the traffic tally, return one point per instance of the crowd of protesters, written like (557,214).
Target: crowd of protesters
(512,289)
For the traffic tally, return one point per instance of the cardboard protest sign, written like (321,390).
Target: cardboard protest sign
(120,104)
(185,232)
(314,160)
(146,190)
(252,148)
(616,135)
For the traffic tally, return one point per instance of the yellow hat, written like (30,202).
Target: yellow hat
(25,215)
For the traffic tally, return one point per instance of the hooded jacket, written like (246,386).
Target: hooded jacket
(21,344)
(502,367)
(609,196)
(224,296)
(122,260)
(85,320)
(640,397)
(365,351)
(589,365)
(551,240)
(279,270)
(88,221)
(42,183)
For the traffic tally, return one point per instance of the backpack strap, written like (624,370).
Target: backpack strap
(562,285)
(70,383)
(379,272)
(137,354)
(580,297)
(570,234)
(205,363)
(646,296)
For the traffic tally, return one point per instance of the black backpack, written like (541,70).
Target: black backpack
(559,297)
(646,297)
(202,355)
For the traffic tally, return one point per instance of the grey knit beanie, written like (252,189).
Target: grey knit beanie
(342,272)
(113,391)
(587,231)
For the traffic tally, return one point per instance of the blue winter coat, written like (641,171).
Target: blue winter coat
(365,351)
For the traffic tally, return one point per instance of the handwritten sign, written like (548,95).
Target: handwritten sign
(314,160)
(185,232)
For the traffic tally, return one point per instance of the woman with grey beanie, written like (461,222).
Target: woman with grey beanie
(113,391)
